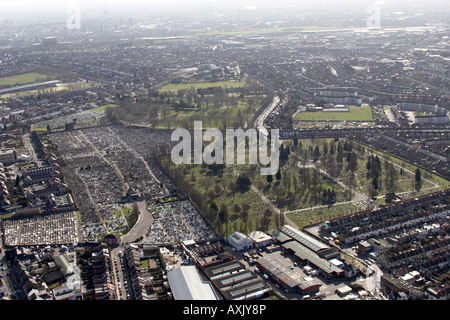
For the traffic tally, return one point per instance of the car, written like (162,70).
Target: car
(265,276)
(306,297)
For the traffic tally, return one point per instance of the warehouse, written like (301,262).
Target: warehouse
(233,280)
(223,269)
(304,239)
(186,284)
(306,255)
(260,239)
(247,291)
(239,241)
(308,287)
(280,269)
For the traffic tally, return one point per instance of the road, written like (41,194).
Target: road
(141,226)
(373,281)
(29,146)
(259,122)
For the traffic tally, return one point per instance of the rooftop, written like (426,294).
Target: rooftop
(186,284)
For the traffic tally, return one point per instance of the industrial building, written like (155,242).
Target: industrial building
(239,241)
(260,239)
(308,250)
(235,282)
(279,269)
(186,284)
(223,269)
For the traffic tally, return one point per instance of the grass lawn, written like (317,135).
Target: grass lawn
(213,117)
(307,217)
(174,87)
(40,129)
(62,87)
(102,108)
(25,78)
(273,30)
(363,113)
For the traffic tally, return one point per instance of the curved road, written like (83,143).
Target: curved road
(141,226)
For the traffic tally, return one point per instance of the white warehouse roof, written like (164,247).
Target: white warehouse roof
(186,284)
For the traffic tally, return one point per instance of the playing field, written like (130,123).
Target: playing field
(274,30)
(25,78)
(174,87)
(363,113)
(102,108)
(61,87)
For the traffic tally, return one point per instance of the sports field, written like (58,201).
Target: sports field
(61,87)
(174,87)
(102,108)
(25,78)
(363,113)
(274,30)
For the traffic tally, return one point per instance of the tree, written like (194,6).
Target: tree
(418,179)
(417,176)
(340,153)
(223,214)
(353,163)
(316,154)
(325,148)
(278,175)
(224,217)
(243,181)
(17,183)
(375,183)
(213,206)
(269,178)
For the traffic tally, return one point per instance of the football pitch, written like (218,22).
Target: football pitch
(25,78)
(363,113)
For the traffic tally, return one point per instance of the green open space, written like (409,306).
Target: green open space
(319,179)
(272,30)
(60,87)
(223,104)
(320,214)
(26,78)
(213,189)
(102,108)
(363,113)
(174,87)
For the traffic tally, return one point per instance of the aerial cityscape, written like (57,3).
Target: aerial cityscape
(225,151)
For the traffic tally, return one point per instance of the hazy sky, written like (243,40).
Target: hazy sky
(10,9)
(213,3)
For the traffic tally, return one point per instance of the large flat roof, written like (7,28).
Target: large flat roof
(303,238)
(234,279)
(186,284)
(247,290)
(304,253)
(223,268)
(279,267)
